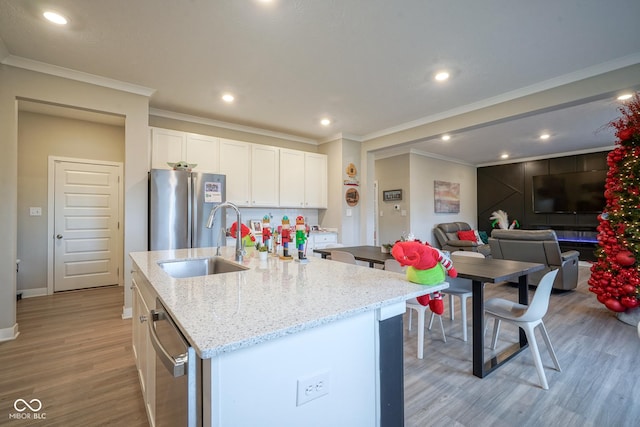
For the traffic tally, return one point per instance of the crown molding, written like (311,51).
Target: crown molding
(555,82)
(226,125)
(547,156)
(68,73)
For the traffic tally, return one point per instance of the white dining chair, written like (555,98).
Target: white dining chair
(342,256)
(528,318)
(461,288)
(413,304)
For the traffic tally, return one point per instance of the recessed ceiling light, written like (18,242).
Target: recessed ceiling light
(504,156)
(545,136)
(446,137)
(442,76)
(227,97)
(55,17)
(325,122)
(624,97)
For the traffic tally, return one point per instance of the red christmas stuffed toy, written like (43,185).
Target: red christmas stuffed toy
(426,266)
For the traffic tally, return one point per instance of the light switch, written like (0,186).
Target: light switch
(35,211)
(348,212)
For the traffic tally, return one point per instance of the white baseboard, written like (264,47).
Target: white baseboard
(35,292)
(8,334)
(127,312)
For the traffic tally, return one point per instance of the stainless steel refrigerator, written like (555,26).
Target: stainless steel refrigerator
(179,205)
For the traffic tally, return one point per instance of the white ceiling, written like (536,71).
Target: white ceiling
(366,64)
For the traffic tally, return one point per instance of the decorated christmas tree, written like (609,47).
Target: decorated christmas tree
(615,277)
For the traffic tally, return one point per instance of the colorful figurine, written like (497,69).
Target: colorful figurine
(301,236)
(266,231)
(285,236)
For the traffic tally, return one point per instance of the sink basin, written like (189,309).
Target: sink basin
(182,268)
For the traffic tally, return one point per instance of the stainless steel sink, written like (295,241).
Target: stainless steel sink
(183,268)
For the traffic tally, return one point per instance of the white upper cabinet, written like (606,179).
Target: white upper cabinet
(167,146)
(265,175)
(257,175)
(203,151)
(292,178)
(170,146)
(315,180)
(303,179)
(236,165)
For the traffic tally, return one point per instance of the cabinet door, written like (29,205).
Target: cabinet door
(265,174)
(143,350)
(167,146)
(292,178)
(203,151)
(315,180)
(235,162)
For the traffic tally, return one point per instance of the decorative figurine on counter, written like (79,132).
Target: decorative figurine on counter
(285,236)
(301,238)
(266,232)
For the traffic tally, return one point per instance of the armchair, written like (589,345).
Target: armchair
(539,246)
(447,237)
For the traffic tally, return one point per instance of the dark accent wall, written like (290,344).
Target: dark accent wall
(508,187)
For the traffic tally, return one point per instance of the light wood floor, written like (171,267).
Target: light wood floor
(74,354)
(599,384)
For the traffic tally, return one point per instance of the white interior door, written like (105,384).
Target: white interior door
(86,223)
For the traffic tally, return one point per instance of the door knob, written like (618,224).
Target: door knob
(58,236)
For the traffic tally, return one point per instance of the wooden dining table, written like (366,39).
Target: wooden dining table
(371,254)
(479,271)
(489,270)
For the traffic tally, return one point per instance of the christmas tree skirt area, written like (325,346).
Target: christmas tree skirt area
(630,317)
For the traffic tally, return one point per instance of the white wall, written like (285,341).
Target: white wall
(423,172)
(41,136)
(17,84)
(415,175)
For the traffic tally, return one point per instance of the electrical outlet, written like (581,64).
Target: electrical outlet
(312,387)
(35,211)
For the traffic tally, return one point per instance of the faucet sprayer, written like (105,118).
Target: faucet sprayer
(239,250)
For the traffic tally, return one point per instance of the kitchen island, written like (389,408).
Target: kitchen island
(286,343)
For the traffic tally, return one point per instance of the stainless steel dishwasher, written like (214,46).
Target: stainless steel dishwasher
(178,371)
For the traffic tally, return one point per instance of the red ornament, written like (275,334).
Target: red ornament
(625,258)
(615,305)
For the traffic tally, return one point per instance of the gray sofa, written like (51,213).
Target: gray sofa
(539,246)
(446,235)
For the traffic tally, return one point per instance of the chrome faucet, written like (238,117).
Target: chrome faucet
(239,249)
(223,234)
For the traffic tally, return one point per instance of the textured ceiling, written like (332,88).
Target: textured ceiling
(366,64)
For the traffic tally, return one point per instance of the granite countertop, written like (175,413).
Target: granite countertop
(225,312)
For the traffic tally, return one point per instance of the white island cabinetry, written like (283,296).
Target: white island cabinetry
(287,343)
(142,347)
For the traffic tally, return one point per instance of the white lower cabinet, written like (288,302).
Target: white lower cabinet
(321,241)
(142,347)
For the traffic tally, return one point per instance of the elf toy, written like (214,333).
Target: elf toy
(426,265)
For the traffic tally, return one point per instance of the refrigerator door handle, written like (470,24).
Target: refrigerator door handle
(191,211)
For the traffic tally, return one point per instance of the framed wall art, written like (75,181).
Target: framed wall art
(392,195)
(446,197)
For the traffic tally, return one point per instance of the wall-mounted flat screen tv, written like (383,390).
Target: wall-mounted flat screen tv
(574,192)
